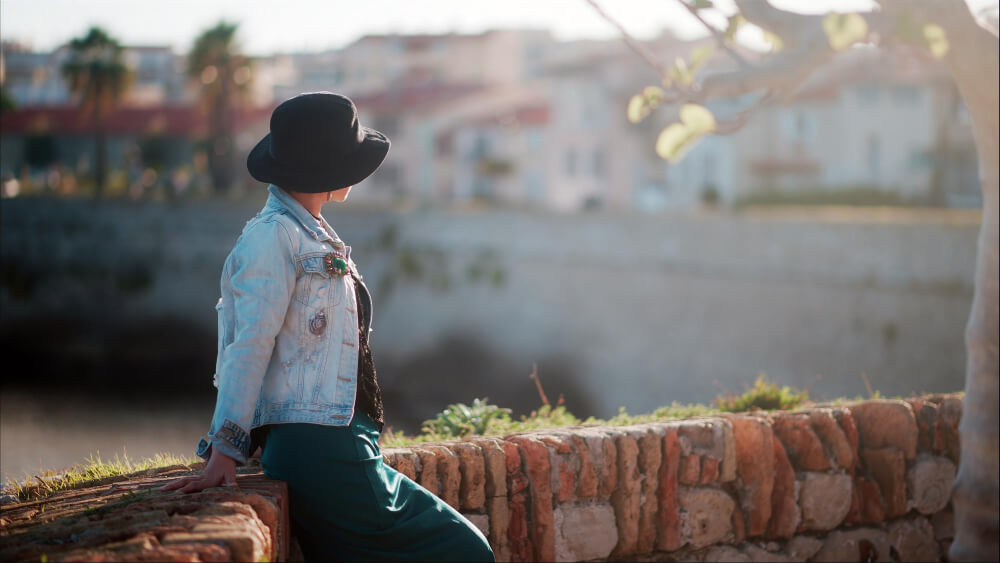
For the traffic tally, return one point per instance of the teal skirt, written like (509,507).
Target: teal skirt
(347,505)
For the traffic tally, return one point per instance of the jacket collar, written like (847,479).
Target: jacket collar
(280,200)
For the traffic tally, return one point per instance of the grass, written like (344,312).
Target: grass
(482,419)
(92,470)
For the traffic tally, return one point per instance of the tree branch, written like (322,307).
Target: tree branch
(719,37)
(643,53)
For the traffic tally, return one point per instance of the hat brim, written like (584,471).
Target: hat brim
(337,173)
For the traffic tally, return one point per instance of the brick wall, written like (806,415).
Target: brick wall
(827,484)
(866,481)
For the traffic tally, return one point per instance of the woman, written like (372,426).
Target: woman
(294,370)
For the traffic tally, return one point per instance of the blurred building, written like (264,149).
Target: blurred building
(514,117)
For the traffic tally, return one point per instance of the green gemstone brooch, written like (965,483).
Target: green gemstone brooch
(336,265)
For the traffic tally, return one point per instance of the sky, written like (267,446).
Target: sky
(270,26)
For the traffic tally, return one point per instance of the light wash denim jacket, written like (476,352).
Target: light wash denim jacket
(288,328)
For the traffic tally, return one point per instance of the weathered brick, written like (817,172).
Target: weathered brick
(495,467)
(846,422)
(753,437)
(929,483)
(537,467)
(472,467)
(498,511)
(650,443)
(428,477)
(449,474)
(832,437)
(785,513)
(706,515)
(859,544)
(518,540)
(946,438)
(801,443)
(926,413)
(668,518)
(403,462)
(825,499)
(888,467)
(626,498)
(586,484)
(585,532)
(887,424)
(690,469)
(565,464)
(872,505)
(914,540)
(709,470)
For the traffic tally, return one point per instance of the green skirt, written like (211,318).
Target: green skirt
(346,505)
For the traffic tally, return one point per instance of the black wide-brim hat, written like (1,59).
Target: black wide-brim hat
(317,144)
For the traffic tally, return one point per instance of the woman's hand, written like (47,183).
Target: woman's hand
(220,471)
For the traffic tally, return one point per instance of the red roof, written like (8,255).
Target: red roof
(187,121)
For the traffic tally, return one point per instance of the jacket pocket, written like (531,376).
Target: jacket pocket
(316,287)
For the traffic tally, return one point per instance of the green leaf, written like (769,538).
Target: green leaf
(675,140)
(697,118)
(937,40)
(653,95)
(701,55)
(843,30)
(736,21)
(681,73)
(700,4)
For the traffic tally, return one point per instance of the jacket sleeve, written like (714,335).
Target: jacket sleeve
(261,269)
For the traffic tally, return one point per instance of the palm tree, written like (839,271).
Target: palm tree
(224,75)
(99,78)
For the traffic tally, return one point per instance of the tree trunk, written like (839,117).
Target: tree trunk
(973,60)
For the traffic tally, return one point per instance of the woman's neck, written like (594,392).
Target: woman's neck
(312,202)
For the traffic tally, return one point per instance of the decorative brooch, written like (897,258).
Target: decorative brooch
(336,265)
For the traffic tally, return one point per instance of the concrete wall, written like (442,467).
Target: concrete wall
(618,310)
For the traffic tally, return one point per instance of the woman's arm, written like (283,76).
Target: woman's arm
(261,273)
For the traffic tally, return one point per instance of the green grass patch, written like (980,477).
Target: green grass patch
(91,471)
(858,195)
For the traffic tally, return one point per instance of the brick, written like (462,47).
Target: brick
(668,517)
(888,468)
(801,443)
(801,548)
(887,424)
(690,469)
(518,539)
(928,483)
(449,474)
(709,470)
(585,532)
(586,484)
(626,498)
(785,513)
(565,464)
(428,477)
(859,544)
(914,540)
(872,505)
(405,464)
(537,467)
(946,438)
(825,499)
(495,467)
(752,436)
(926,413)
(739,527)
(498,511)
(472,468)
(650,443)
(832,437)
(706,515)
(944,524)
(846,422)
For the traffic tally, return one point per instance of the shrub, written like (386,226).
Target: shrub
(764,395)
(460,420)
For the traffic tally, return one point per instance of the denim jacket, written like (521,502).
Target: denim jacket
(288,328)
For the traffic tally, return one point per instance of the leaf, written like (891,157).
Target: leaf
(843,30)
(937,40)
(697,118)
(773,39)
(675,140)
(700,4)
(736,21)
(701,55)
(681,73)
(637,109)
(653,95)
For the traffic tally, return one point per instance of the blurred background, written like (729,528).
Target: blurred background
(521,219)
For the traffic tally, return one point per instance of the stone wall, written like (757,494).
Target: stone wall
(861,482)
(824,484)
